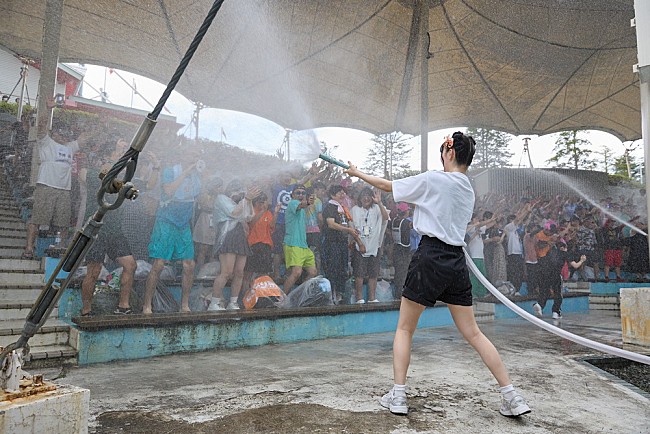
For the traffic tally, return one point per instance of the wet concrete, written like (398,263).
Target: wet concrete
(333,385)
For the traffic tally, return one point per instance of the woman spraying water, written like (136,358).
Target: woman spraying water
(443,207)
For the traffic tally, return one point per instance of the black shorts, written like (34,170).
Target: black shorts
(364,267)
(278,238)
(113,245)
(438,272)
(260,261)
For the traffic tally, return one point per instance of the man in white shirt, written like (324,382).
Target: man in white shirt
(52,203)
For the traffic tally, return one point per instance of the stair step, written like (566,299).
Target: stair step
(11,252)
(12,225)
(50,352)
(4,219)
(19,309)
(19,265)
(12,242)
(13,233)
(9,295)
(6,212)
(53,332)
(8,280)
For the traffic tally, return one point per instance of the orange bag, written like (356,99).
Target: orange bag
(263,293)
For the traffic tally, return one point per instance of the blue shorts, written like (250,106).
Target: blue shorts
(171,243)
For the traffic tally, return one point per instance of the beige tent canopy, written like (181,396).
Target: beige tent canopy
(522,66)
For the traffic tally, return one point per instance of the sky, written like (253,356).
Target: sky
(258,134)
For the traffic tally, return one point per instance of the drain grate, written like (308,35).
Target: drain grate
(634,375)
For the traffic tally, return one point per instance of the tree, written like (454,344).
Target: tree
(388,154)
(572,152)
(621,167)
(492,148)
(607,161)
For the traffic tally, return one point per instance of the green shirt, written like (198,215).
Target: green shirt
(295,224)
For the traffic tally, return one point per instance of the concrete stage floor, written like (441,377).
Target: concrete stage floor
(332,386)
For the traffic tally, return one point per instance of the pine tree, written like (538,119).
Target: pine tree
(621,167)
(572,152)
(387,156)
(492,148)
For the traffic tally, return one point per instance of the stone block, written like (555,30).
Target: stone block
(635,315)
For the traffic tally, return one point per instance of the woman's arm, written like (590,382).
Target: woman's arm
(375,181)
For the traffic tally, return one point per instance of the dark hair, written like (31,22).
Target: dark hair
(511,218)
(488,215)
(334,189)
(234,186)
(465,147)
(365,191)
(260,198)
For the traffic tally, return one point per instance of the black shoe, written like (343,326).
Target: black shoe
(123,311)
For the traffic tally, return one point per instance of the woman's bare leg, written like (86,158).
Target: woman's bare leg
(409,314)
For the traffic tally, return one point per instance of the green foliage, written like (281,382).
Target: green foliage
(12,108)
(621,168)
(572,152)
(387,157)
(492,148)
(407,173)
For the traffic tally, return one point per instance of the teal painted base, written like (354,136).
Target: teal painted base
(106,345)
(613,288)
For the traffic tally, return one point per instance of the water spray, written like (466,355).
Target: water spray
(551,328)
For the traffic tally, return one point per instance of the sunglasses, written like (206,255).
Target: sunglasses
(299,192)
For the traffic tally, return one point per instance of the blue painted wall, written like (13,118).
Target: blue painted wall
(570,304)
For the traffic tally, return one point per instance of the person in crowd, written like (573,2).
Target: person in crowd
(515,250)
(338,226)
(231,212)
(297,254)
(531,260)
(260,239)
(545,240)
(368,217)
(638,262)
(495,254)
(443,208)
(204,234)
(52,202)
(171,238)
(476,230)
(551,284)
(110,241)
(314,215)
(281,194)
(613,248)
(403,245)
(585,243)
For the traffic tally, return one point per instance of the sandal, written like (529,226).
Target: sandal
(27,255)
(87,314)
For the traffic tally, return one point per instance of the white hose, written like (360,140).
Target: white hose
(548,327)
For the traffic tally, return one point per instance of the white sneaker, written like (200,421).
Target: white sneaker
(373,301)
(515,407)
(395,402)
(557,315)
(215,306)
(361,301)
(232,306)
(538,309)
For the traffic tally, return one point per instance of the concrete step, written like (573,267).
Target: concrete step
(11,252)
(54,332)
(604,302)
(16,225)
(9,219)
(20,265)
(7,212)
(12,294)
(50,355)
(12,242)
(19,309)
(13,233)
(21,280)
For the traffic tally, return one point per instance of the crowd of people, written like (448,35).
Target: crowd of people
(307,222)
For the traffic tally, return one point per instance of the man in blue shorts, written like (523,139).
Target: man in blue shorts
(171,239)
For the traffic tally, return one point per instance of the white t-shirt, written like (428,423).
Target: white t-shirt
(56,163)
(514,243)
(368,223)
(475,245)
(443,204)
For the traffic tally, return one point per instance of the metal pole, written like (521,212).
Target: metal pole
(642,22)
(49,62)
(423,7)
(21,102)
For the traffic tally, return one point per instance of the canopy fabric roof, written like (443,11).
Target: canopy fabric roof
(522,66)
